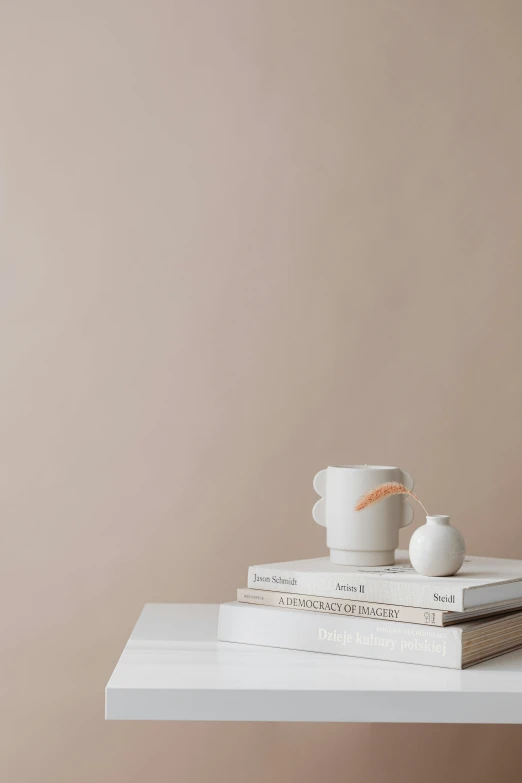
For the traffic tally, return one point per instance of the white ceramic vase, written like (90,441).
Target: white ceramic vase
(437,548)
(361,538)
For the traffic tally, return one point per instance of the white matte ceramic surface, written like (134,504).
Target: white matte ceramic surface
(437,548)
(369,537)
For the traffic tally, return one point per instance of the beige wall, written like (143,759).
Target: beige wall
(243,240)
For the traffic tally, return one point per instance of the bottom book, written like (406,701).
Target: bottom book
(456,647)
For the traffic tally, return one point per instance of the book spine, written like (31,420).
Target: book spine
(314,603)
(355,586)
(352,636)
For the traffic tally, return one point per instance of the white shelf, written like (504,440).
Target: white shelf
(173,668)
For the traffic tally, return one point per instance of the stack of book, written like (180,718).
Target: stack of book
(390,613)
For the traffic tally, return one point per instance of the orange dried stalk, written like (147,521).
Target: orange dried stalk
(384,491)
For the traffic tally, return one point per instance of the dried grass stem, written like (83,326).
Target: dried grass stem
(384,491)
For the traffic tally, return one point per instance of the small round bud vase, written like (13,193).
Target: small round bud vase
(437,548)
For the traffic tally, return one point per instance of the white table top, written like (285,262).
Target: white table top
(173,668)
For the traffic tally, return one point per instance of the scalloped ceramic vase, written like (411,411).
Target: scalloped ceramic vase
(361,538)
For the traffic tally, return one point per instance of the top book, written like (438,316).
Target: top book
(480,582)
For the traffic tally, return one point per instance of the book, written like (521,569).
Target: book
(456,647)
(480,582)
(353,608)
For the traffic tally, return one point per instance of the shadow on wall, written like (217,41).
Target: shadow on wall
(308,753)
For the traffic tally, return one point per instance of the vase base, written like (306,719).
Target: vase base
(361,558)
